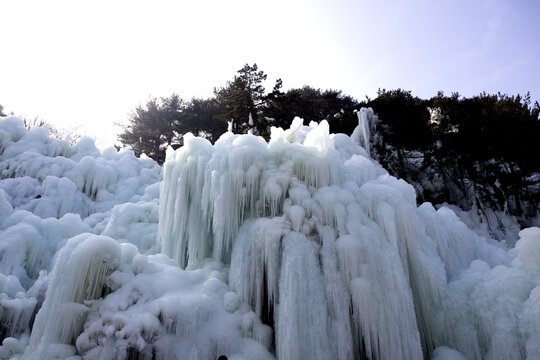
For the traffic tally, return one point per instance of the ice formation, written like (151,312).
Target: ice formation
(333,252)
(300,247)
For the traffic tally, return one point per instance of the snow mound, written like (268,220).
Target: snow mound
(51,192)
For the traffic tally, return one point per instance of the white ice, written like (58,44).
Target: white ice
(356,231)
(300,247)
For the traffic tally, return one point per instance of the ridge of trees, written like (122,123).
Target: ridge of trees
(243,101)
(480,151)
(477,152)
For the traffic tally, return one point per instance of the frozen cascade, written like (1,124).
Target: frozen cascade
(79,276)
(333,252)
(362,133)
(302,321)
(257,258)
(337,296)
(16,309)
(302,247)
(184,176)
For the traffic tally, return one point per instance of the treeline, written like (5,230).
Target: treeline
(243,102)
(481,151)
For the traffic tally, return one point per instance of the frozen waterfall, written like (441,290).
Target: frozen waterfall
(333,252)
(302,247)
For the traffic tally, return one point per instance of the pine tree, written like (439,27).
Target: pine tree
(155,126)
(201,115)
(243,97)
(312,104)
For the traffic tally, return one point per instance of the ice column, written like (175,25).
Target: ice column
(78,276)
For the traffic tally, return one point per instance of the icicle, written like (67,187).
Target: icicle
(372,268)
(15,315)
(337,297)
(185,237)
(303,327)
(254,272)
(362,133)
(333,251)
(79,275)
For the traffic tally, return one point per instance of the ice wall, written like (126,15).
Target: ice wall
(302,247)
(77,243)
(333,252)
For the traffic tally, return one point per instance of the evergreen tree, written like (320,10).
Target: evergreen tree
(479,151)
(234,103)
(312,104)
(252,79)
(242,98)
(488,145)
(201,115)
(472,152)
(155,126)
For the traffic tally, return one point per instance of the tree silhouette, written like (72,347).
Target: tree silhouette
(242,98)
(155,126)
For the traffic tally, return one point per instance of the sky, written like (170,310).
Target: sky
(85,65)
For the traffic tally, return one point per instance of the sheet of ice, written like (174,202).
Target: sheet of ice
(135,223)
(302,323)
(487,223)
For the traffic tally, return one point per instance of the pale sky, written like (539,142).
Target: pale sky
(88,64)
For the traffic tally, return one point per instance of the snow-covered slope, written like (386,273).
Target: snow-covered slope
(302,247)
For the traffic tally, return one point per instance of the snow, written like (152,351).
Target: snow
(300,247)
